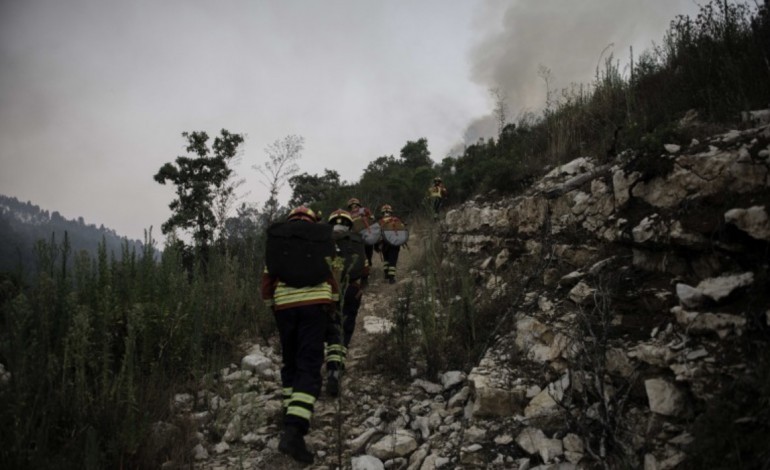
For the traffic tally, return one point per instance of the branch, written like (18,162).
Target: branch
(576,182)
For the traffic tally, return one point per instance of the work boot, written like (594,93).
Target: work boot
(293,444)
(333,384)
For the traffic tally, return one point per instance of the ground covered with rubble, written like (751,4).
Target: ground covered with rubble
(633,332)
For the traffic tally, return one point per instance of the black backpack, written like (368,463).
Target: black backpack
(297,252)
(350,247)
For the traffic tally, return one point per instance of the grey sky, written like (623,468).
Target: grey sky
(94,94)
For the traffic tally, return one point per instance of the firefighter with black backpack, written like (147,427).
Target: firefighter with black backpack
(350,248)
(299,286)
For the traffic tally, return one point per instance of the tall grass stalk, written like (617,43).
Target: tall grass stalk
(95,352)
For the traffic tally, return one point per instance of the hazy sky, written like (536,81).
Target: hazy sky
(94,94)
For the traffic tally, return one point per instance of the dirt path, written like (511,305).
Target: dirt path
(336,421)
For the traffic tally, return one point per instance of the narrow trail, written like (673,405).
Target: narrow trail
(338,420)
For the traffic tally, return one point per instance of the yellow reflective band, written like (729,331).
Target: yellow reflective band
(336,348)
(288,295)
(303,398)
(287,391)
(299,411)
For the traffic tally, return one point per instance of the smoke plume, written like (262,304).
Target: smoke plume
(562,40)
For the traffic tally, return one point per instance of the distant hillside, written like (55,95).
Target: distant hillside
(22,224)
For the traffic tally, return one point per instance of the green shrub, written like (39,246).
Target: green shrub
(96,352)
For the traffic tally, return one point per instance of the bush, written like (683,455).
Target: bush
(96,352)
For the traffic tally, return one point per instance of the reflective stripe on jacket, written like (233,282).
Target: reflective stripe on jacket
(281,296)
(437,191)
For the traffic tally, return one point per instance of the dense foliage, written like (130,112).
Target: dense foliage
(709,68)
(716,64)
(201,183)
(95,353)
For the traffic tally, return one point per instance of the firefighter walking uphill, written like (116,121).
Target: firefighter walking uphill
(299,287)
(350,247)
(389,250)
(362,219)
(437,194)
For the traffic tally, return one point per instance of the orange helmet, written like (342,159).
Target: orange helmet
(341,217)
(353,202)
(386,209)
(302,213)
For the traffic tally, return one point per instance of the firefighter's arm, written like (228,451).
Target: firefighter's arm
(268,288)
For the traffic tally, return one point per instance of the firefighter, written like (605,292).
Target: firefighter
(340,330)
(437,194)
(363,217)
(389,251)
(301,314)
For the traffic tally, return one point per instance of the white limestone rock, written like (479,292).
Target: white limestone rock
(689,296)
(753,221)
(366,462)
(718,288)
(401,443)
(376,325)
(257,363)
(664,397)
(581,293)
(722,324)
(452,378)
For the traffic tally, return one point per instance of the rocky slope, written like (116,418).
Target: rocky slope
(634,333)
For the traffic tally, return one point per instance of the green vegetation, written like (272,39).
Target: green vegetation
(97,352)
(97,346)
(717,64)
(711,67)
(203,186)
(22,224)
(439,322)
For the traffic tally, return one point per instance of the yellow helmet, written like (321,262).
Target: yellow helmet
(341,217)
(302,213)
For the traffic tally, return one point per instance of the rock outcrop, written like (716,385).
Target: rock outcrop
(646,282)
(636,299)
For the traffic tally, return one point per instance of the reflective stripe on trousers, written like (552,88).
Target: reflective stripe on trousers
(302,331)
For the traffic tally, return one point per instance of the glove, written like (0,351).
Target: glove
(333,312)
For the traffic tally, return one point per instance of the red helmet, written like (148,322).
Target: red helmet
(302,213)
(353,202)
(386,209)
(341,217)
